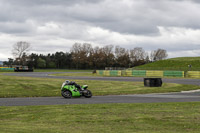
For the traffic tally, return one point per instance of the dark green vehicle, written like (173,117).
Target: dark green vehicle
(71,89)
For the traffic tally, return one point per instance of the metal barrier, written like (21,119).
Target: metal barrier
(193,74)
(6,68)
(173,74)
(138,73)
(148,73)
(154,73)
(106,73)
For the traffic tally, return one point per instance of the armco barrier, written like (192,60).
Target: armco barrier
(97,72)
(106,73)
(173,73)
(123,73)
(6,68)
(128,73)
(148,73)
(100,72)
(154,73)
(3,67)
(139,73)
(119,73)
(115,73)
(193,74)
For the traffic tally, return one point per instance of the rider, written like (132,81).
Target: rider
(75,84)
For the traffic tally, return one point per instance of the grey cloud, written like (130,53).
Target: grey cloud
(15,28)
(197,1)
(48,2)
(139,17)
(142,17)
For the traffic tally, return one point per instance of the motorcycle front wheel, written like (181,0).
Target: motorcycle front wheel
(88,94)
(66,94)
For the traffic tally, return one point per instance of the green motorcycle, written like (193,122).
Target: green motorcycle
(71,89)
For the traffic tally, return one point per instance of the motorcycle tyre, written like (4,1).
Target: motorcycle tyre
(89,94)
(66,94)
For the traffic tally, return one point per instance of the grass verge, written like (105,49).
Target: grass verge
(11,86)
(3,71)
(116,118)
(179,64)
(87,74)
(60,70)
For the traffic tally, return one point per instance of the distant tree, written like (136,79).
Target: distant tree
(158,54)
(122,57)
(138,56)
(60,59)
(9,63)
(51,64)
(33,60)
(68,60)
(84,56)
(108,55)
(96,59)
(80,55)
(41,63)
(19,51)
(24,59)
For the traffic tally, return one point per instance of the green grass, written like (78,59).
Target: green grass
(12,86)
(186,58)
(87,74)
(60,70)
(180,63)
(91,118)
(6,70)
(51,70)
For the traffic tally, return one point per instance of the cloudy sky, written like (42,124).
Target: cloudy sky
(55,25)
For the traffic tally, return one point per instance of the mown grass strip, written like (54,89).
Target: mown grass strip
(60,70)
(86,74)
(98,118)
(12,86)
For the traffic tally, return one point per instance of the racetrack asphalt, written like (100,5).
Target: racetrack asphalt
(139,79)
(138,98)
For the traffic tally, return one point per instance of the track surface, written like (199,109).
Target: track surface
(141,98)
(146,98)
(46,75)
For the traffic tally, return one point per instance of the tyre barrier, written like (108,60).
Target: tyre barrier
(152,82)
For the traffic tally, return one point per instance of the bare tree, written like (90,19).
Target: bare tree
(158,54)
(20,49)
(108,55)
(80,54)
(122,56)
(138,56)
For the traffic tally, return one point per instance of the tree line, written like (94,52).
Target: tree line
(85,56)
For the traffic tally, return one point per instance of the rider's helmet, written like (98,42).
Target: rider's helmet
(72,82)
(67,82)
